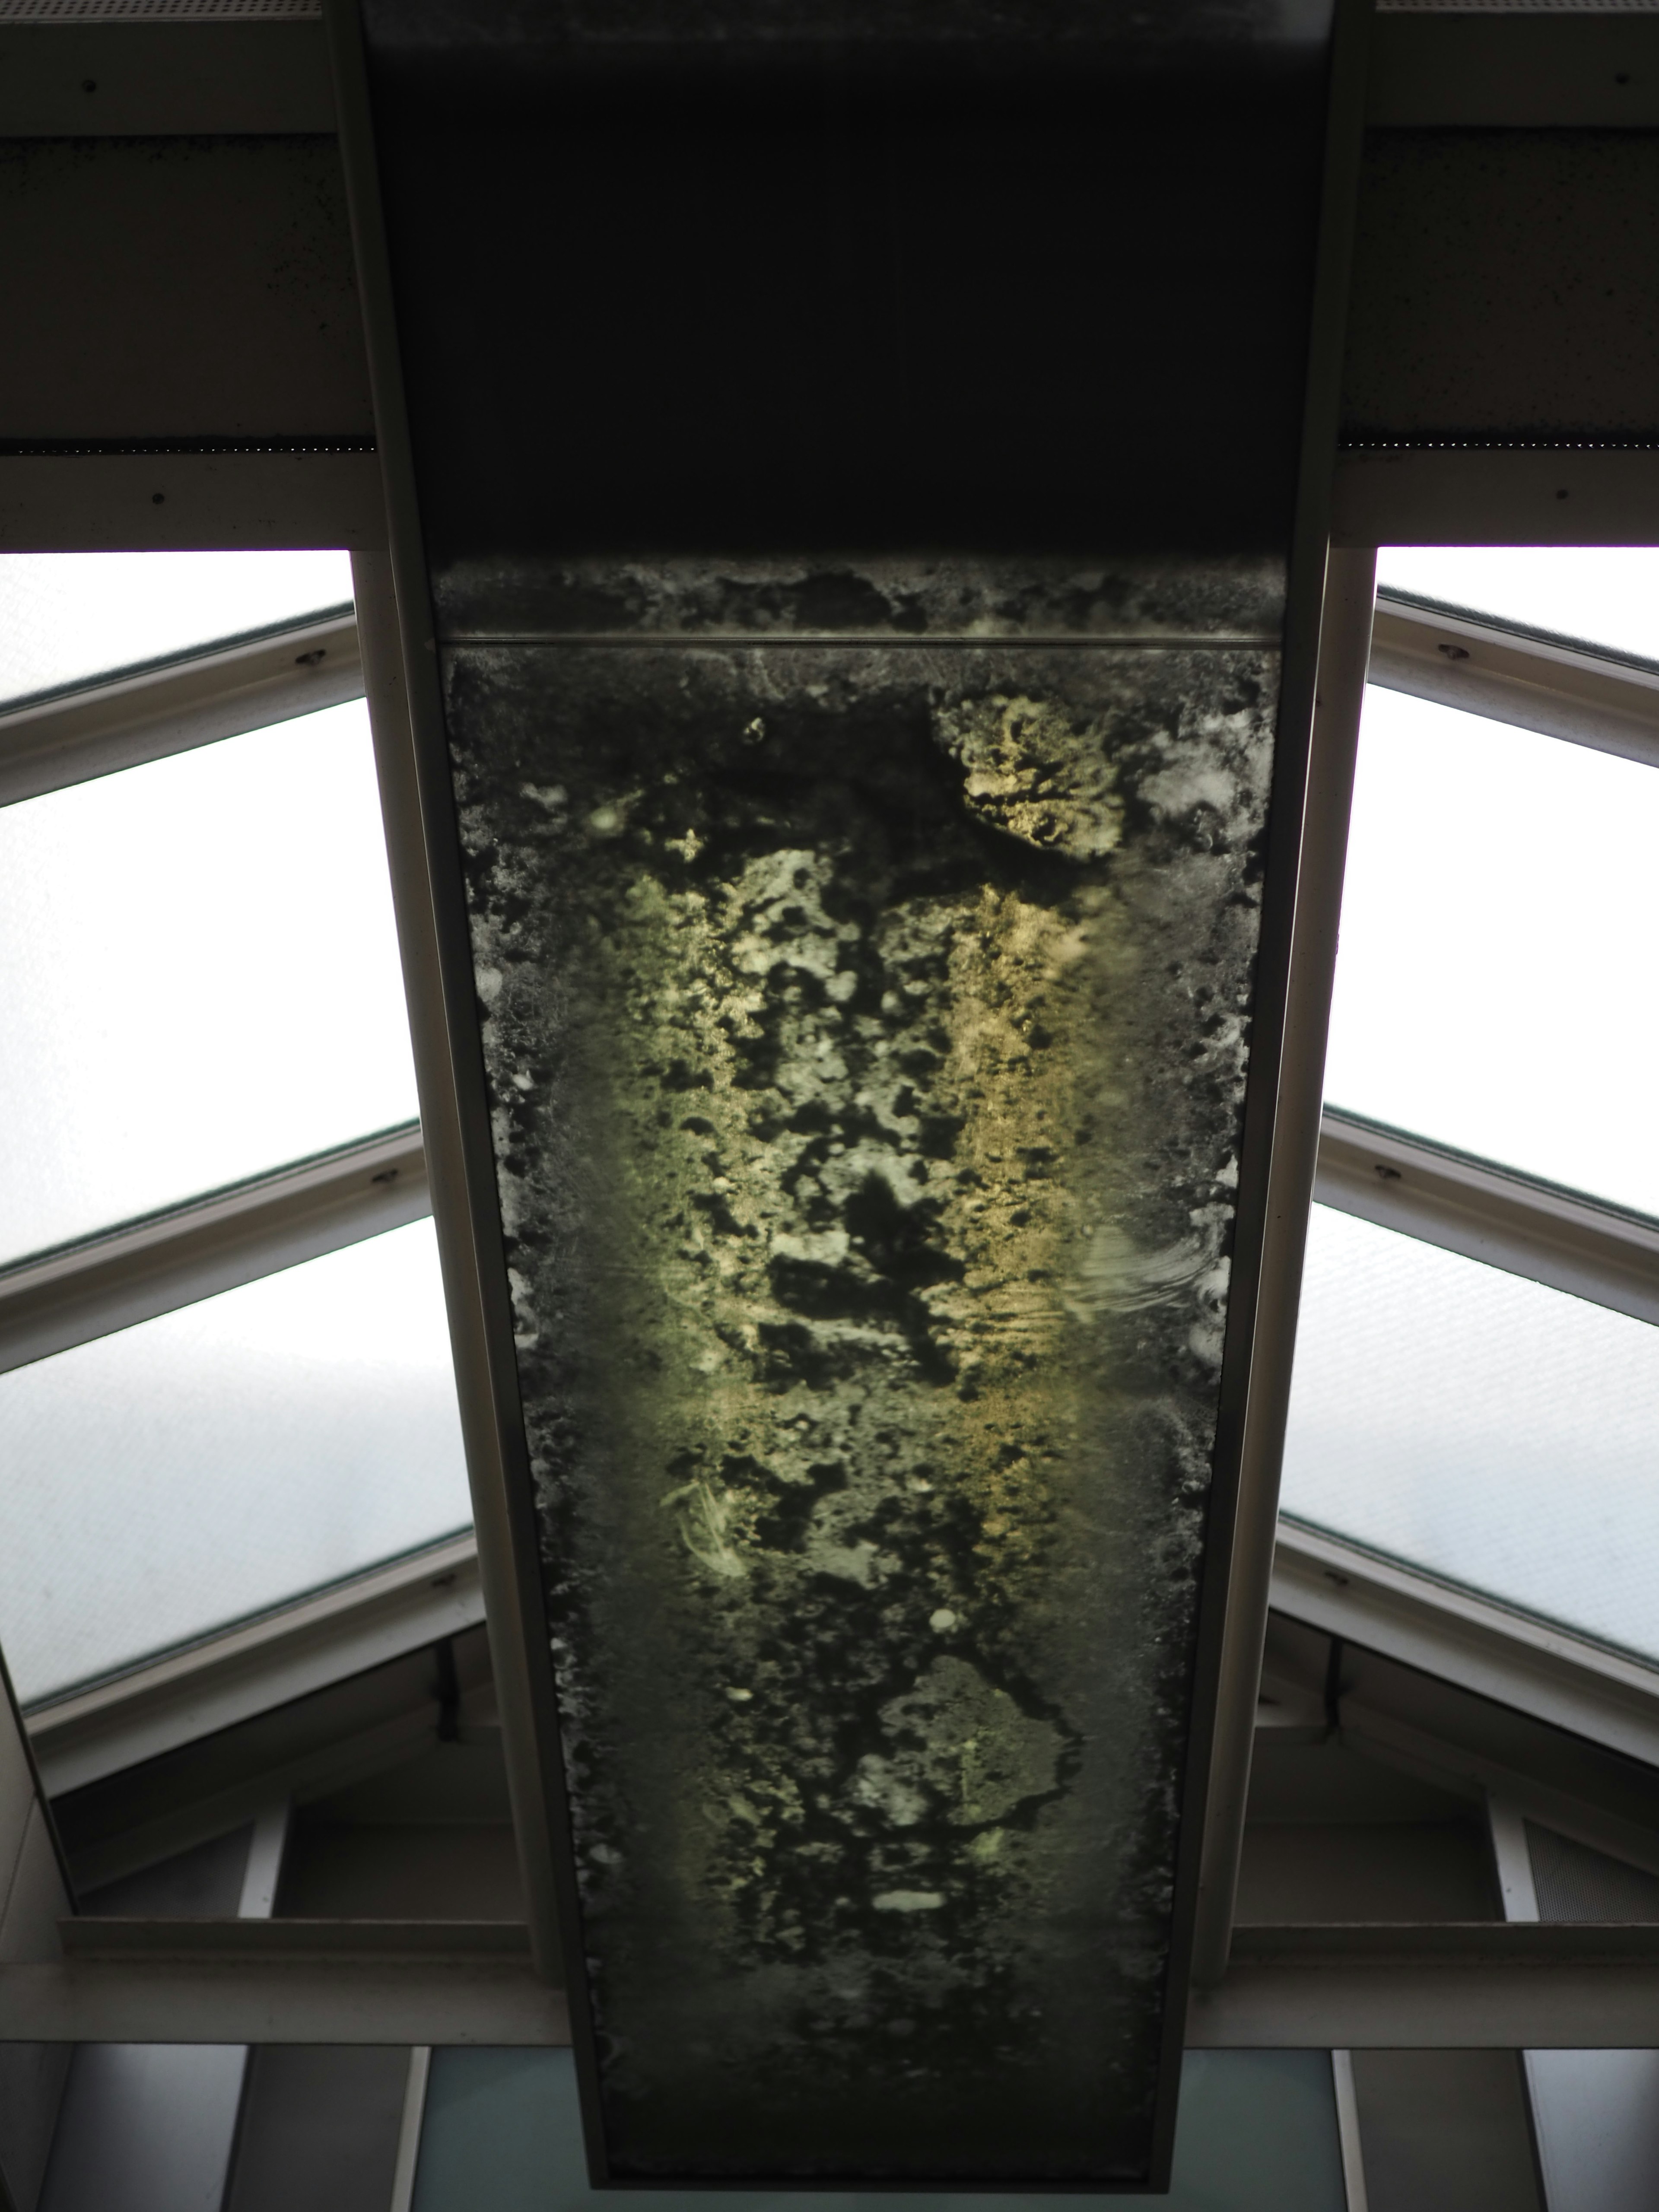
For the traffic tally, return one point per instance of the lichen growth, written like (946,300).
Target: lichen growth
(866,1034)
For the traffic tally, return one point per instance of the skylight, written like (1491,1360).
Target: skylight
(1493,994)
(66,616)
(1499,1433)
(200,981)
(1495,971)
(201,976)
(172,1477)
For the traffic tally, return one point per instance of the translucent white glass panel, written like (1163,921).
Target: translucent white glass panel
(1608,594)
(1494,984)
(1500,1434)
(198,976)
(184,1473)
(65,617)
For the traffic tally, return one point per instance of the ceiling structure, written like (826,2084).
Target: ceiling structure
(743,1528)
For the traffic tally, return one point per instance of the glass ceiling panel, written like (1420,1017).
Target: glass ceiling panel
(200,976)
(65,617)
(1608,594)
(1494,982)
(1497,1433)
(185,1473)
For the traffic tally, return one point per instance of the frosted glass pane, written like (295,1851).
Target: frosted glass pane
(1494,981)
(186,1472)
(198,976)
(65,617)
(1608,594)
(1497,1433)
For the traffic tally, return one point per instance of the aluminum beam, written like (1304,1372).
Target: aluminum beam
(1600,698)
(1343,643)
(1609,1698)
(1595,1251)
(1488,1986)
(170,1259)
(146,713)
(414,1602)
(285,1982)
(1433,1987)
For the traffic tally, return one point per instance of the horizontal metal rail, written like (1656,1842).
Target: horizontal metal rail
(426,1990)
(1516,1985)
(1565,688)
(172,1259)
(1526,1227)
(1606,1696)
(98,1936)
(258,1665)
(1420,1986)
(192,699)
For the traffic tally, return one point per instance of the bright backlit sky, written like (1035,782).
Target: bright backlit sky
(1608,594)
(66,615)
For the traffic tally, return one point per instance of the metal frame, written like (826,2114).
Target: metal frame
(1343,648)
(1348,2131)
(1528,1227)
(186,1253)
(1589,694)
(251,1668)
(409,2134)
(417,803)
(1606,1696)
(1328,617)
(170,706)
(1448,1986)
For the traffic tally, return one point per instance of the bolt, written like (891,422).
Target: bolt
(310,659)
(1454,652)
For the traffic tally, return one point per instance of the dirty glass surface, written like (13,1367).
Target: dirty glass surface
(66,616)
(1604,594)
(200,974)
(1496,947)
(162,1482)
(1492,1431)
(865,1025)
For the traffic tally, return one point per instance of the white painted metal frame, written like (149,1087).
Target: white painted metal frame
(189,1252)
(1340,689)
(1582,1245)
(170,706)
(251,1668)
(1588,695)
(1607,1696)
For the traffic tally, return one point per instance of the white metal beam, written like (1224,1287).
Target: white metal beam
(1530,1228)
(1344,634)
(189,1252)
(193,699)
(1592,696)
(1609,1698)
(258,1666)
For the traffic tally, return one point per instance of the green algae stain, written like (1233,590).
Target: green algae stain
(831,1027)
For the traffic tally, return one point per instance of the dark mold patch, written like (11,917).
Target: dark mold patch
(867,1032)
